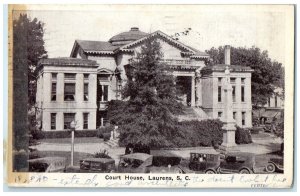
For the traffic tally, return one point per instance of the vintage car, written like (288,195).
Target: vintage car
(204,162)
(47,164)
(237,162)
(275,164)
(135,163)
(93,165)
(166,162)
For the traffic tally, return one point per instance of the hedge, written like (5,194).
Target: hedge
(198,133)
(63,134)
(243,136)
(102,132)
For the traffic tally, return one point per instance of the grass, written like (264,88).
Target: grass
(77,155)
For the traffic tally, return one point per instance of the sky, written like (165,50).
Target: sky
(212,26)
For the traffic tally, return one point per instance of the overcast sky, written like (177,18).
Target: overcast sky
(212,26)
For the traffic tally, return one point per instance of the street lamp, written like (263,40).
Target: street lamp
(72,127)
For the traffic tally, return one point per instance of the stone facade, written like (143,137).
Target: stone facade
(104,67)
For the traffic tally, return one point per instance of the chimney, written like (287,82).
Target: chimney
(134,29)
(227,55)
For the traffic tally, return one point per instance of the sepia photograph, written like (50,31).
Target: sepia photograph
(151,95)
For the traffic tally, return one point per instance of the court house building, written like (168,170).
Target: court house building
(80,86)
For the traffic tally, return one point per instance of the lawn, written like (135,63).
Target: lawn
(77,155)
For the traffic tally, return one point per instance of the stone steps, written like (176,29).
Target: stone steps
(112,143)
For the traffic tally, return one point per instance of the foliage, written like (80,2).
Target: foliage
(198,133)
(102,154)
(148,115)
(28,45)
(267,73)
(242,136)
(38,134)
(105,131)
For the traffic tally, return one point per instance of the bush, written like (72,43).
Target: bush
(105,131)
(255,130)
(243,136)
(198,133)
(63,134)
(102,154)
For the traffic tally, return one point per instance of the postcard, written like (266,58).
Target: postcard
(150,96)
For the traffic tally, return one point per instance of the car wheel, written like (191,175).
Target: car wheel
(210,171)
(178,171)
(270,168)
(244,171)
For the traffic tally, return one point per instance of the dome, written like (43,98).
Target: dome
(127,37)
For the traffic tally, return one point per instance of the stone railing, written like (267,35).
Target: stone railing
(176,62)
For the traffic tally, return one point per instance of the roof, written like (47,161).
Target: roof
(133,34)
(102,160)
(138,156)
(67,61)
(270,114)
(222,68)
(90,46)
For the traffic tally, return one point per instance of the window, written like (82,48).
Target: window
(233,94)
(276,105)
(69,89)
(69,93)
(68,118)
(243,93)
(232,80)
(234,115)
(219,93)
(70,76)
(269,102)
(86,76)
(243,80)
(243,118)
(53,121)
(219,114)
(86,92)
(219,80)
(53,86)
(53,91)
(54,76)
(104,92)
(85,120)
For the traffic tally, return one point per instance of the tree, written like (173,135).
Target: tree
(29,47)
(267,73)
(147,118)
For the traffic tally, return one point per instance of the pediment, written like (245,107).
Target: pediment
(161,36)
(104,71)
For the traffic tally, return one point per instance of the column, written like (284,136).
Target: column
(79,120)
(199,91)
(193,91)
(60,121)
(46,121)
(60,88)
(47,87)
(93,89)
(79,88)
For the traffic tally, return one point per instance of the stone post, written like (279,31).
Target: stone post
(193,91)
(229,122)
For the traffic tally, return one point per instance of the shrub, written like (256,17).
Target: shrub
(63,134)
(198,133)
(106,136)
(243,136)
(105,131)
(102,154)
